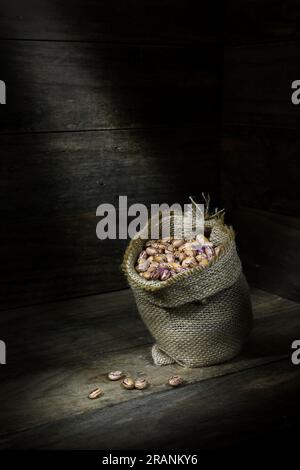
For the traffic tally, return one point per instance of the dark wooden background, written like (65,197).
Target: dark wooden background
(103,99)
(126,98)
(261,145)
(156,100)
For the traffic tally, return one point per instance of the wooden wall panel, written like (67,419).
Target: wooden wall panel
(81,86)
(269,246)
(260,169)
(260,157)
(257,85)
(259,21)
(52,184)
(103,99)
(134,21)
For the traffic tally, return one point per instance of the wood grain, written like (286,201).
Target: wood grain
(75,67)
(52,184)
(265,304)
(259,165)
(257,85)
(259,169)
(149,21)
(260,144)
(81,330)
(55,86)
(68,348)
(261,21)
(214,414)
(269,247)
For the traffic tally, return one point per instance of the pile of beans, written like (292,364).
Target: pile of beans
(167,257)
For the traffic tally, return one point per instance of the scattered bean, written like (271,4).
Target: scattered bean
(115,375)
(96,393)
(175,381)
(141,384)
(128,383)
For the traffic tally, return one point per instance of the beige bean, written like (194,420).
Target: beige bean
(128,383)
(177,243)
(170,258)
(146,275)
(169,248)
(115,375)
(141,384)
(143,266)
(189,261)
(204,262)
(143,255)
(96,393)
(159,258)
(175,381)
(151,251)
(189,253)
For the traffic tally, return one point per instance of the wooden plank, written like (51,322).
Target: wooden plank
(255,171)
(260,21)
(111,319)
(257,85)
(269,247)
(76,331)
(207,415)
(53,183)
(150,21)
(55,86)
(68,348)
(266,304)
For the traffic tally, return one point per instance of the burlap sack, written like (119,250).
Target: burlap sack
(199,317)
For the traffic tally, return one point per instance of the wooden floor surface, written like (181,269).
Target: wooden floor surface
(58,352)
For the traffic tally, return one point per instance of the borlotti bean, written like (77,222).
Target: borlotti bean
(162,259)
(115,375)
(175,381)
(128,383)
(141,384)
(191,294)
(96,393)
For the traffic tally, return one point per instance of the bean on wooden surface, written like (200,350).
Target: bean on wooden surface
(96,393)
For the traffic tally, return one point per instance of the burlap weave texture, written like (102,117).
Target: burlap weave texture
(200,317)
